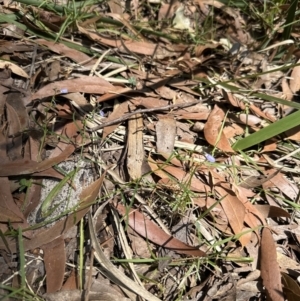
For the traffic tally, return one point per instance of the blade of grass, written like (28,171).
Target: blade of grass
(53,193)
(290,19)
(270,131)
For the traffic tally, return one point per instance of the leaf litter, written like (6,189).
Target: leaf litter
(181,201)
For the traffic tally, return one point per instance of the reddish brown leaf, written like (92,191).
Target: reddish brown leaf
(86,84)
(212,130)
(233,208)
(270,272)
(54,260)
(155,234)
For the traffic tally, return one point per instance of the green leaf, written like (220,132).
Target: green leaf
(270,131)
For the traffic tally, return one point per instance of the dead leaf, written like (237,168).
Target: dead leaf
(212,130)
(14,68)
(272,211)
(135,153)
(23,167)
(85,84)
(294,81)
(165,135)
(119,110)
(143,48)
(233,208)
(151,231)
(291,287)
(55,261)
(270,272)
(9,211)
(289,189)
(61,49)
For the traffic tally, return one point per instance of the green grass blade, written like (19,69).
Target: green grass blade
(270,131)
(290,19)
(53,193)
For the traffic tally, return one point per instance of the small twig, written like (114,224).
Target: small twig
(129,115)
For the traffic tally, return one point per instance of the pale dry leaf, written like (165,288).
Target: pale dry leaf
(14,68)
(135,153)
(295,79)
(165,135)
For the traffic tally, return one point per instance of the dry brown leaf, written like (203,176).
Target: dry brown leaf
(85,84)
(293,134)
(165,135)
(14,68)
(119,110)
(286,90)
(9,211)
(135,142)
(115,6)
(233,208)
(233,130)
(212,130)
(180,114)
(151,231)
(61,49)
(270,272)
(272,211)
(149,102)
(259,112)
(54,261)
(143,48)
(23,167)
(289,189)
(185,178)
(291,287)
(72,282)
(295,79)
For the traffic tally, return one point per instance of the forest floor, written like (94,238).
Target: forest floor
(149,150)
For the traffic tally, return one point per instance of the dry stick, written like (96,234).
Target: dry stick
(128,115)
